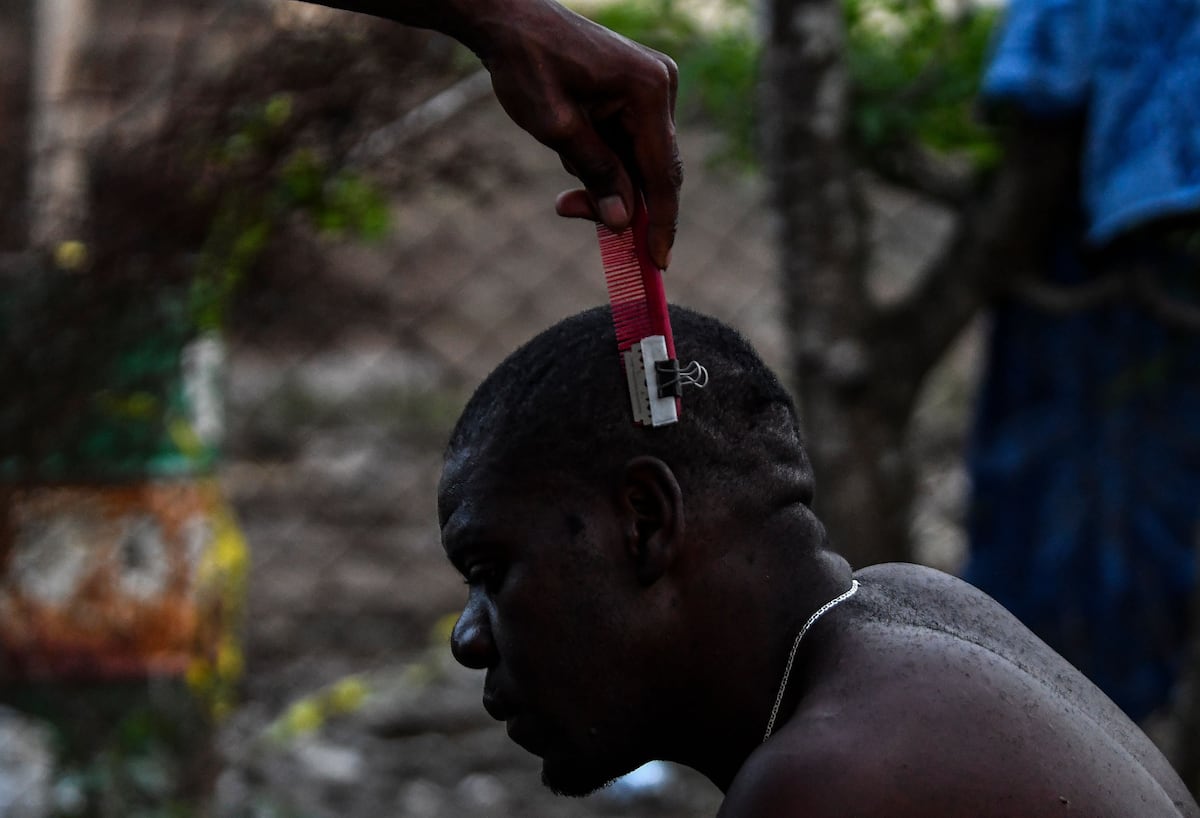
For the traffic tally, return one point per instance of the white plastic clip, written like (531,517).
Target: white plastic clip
(648,408)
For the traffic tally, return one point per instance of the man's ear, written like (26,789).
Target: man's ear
(651,508)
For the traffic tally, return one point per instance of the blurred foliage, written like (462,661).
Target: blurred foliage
(100,384)
(310,713)
(915,70)
(259,189)
(213,675)
(124,750)
(197,222)
(718,64)
(916,73)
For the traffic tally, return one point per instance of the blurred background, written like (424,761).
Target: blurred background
(254,256)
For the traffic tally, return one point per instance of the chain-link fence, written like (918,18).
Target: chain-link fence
(345,364)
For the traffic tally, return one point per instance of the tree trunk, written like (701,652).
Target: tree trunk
(58,163)
(854,427)
(16,26)
(856,364)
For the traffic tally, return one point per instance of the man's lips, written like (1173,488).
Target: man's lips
(497,707)
(519,728)
(524,732)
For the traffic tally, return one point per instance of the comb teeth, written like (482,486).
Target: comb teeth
(626,289)
(639,313)
(635,288)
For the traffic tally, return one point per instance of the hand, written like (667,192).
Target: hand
(605,103)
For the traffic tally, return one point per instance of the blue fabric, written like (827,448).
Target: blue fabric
(1085,470)
(1085,457)
(1134,67)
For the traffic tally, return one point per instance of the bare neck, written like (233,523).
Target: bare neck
(750,608)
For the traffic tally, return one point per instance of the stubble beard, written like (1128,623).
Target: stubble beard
(579,774)
(574,782)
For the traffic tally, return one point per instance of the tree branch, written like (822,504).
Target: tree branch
(922,171)
(1005,230)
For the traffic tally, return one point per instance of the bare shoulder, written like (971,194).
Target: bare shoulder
(932,700)
(894,753)
(898,771)
(838,774)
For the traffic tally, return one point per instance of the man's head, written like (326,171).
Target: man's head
(559,405)
(594,548)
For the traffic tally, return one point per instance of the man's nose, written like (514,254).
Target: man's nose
(471,641)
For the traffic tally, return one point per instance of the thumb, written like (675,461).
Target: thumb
(603,175)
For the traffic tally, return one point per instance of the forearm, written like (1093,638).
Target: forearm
(604,103)
(471,22)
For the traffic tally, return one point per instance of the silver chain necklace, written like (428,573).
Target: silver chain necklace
(787,671)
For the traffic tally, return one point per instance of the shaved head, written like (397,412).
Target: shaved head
(559,405)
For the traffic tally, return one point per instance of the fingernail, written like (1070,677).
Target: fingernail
(612,211)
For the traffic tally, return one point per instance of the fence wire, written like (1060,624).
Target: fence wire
(346,363)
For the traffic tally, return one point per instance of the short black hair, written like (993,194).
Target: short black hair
(560,403)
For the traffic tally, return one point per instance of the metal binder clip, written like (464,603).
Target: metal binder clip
(655,381)
(672,379)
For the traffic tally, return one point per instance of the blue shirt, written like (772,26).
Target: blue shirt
(1132,67)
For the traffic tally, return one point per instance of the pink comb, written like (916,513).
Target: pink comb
(639,312)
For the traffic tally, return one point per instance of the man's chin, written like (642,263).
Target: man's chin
(575,782)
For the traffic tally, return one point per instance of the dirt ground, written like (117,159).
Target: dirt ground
(337,419)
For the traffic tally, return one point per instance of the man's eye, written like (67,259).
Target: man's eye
(487,576)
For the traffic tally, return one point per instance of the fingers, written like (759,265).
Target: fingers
(663,179)
(597,166)
(606,106)
(661,194)
(576,204)
(659,166)
(642,131)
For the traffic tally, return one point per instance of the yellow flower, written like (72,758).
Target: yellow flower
(199,675)
(347,695)
(304,716)
(71,255)
(229,659)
